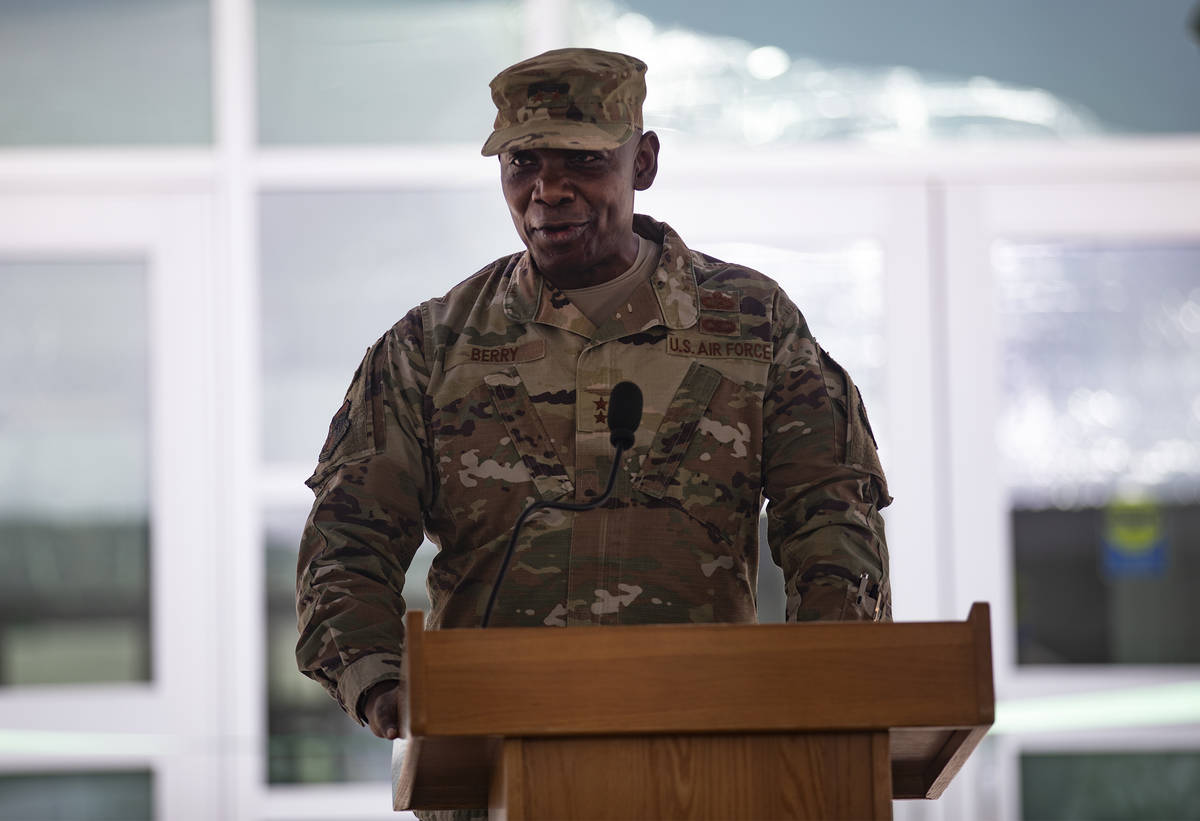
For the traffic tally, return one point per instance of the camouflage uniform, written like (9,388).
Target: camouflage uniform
(475,404)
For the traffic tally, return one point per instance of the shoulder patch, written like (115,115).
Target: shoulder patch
(337,430)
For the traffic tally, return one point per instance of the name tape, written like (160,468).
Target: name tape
(496,354)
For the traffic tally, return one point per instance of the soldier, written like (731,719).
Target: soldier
(479,402)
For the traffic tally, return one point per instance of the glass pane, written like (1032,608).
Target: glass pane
(1099,426)
(839,290)
(108,796)
(74,506)
(351,265)
(310,739)
(1154,786)
(74,72)
(364,259)
(766,85)
(355,71)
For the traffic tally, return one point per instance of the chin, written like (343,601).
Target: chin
(557,265)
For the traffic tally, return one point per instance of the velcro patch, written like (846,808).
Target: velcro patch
(718,300)
(720,325)
(337,429)
(496,354)
(697,348)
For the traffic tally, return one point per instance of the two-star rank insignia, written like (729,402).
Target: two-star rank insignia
(601,407)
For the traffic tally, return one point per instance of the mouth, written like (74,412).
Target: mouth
(559,232)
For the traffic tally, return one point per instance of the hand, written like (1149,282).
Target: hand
(381,709)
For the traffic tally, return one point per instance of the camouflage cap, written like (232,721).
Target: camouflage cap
(568,98)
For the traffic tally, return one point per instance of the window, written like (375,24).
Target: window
(74,462)
(348,265)
(73,72)
(77,796)
(361,71)
(839,290)
(1099,430)
(1126,786)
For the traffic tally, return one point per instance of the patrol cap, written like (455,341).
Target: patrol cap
(568,98)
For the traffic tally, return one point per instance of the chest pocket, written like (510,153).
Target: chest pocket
(706,454)
(491,441)
(527,434)
(492,453)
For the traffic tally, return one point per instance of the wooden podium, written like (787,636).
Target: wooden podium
(819,720)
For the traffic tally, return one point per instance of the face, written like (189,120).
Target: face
(574,209)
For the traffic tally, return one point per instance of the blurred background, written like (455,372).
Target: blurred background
(988,211)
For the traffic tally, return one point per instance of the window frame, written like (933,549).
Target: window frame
(142,724)
(1107,207)
(936,209)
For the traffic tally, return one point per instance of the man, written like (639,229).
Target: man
(477,403)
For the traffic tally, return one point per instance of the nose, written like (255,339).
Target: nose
(552,187)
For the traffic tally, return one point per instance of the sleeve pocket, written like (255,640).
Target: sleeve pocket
(862,451)
(353,432)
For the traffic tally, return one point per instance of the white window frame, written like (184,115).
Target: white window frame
(171,723)
(1122,194)
(977,215)
(822,212)
(194,211)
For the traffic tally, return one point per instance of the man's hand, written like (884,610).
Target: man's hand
(381,709)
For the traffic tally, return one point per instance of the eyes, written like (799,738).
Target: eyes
(523,160)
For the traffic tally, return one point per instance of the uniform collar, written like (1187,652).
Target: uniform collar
(531,298)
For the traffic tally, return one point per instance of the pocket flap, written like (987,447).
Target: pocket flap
(677,428)
(528,434)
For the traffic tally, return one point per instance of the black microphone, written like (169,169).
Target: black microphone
(624,416)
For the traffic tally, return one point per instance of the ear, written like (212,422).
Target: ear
(645,161)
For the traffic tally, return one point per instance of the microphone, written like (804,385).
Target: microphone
(624,416)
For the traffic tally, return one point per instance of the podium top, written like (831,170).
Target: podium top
(928,683)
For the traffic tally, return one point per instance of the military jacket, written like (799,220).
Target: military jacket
(476,404)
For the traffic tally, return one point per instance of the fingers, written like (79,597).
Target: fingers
(383,710)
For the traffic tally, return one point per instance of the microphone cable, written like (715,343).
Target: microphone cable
(625,414)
